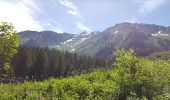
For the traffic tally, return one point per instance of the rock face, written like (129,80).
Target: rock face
(143,38)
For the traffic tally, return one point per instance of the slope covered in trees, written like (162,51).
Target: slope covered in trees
(132,78)
(160,55)
(43,63)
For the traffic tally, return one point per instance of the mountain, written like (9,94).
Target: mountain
(143,38)
(43,39)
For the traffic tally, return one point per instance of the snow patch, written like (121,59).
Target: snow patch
(69,40)
(159,33)
(72,50)
(63,43)
(76,35)
(94,33)
(116,32)
(78,39)
(83,39)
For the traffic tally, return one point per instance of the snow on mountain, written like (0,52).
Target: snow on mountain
(116,31)
(144,38)
(78,39)
(73,50)
(159,33)
(69,40)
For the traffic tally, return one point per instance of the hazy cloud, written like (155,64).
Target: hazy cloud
(50,26)
(71,8)
(19,14)
(132,20)
(148,6)
(31,4)
(82,27)
(75,16)
(25,15)
(53,25)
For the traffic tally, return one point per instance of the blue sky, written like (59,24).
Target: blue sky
(75,16)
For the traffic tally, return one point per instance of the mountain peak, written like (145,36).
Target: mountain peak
(85,32)
(136,24)
(143,38)
(125,24)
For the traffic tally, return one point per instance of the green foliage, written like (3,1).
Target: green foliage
(9,43)
(132,78)
(140,75)
(72,88)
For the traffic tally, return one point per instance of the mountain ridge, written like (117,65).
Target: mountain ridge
(143,38)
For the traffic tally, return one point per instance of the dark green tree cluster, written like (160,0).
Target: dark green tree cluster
(44,62)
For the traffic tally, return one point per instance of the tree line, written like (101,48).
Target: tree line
(44,62)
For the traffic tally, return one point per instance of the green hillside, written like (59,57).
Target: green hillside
(160,55)
(131,77)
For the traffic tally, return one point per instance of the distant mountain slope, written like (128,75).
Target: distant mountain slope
(42,39)
(143,38)
(160,55)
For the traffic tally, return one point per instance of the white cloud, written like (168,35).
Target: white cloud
(74,11)
(71,8)
(50,26)
(82,27)
(148,6)
(19,14)
(132,20)
(32,4)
